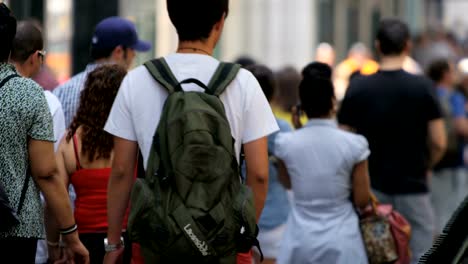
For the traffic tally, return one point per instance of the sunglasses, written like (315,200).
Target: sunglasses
(42,53)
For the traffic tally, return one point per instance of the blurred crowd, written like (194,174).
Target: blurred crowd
(388,123)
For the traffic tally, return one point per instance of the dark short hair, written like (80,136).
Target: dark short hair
(436,69)
(393,36)
(245,61)
(28,39)
(265,78)
(97,54)
(319,69)
(105,53)
(194,19)
(316,90)
(7,31)
(288,84)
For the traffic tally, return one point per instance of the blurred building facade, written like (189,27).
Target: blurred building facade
(274,32)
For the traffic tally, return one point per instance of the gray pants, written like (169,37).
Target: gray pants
(448,190)
(417,209)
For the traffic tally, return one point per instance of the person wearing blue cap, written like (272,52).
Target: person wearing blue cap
(115,40)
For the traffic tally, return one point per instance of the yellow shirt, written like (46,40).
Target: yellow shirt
(287,116)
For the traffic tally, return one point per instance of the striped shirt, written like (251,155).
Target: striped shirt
(69,93)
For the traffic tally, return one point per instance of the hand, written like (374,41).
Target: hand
(75,251)
(56,255)
(114,257)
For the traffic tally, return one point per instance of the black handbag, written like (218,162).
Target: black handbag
(8,215)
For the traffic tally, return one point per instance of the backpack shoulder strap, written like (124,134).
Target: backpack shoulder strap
(161,72)
(222,77)
(28,173)
(9,77)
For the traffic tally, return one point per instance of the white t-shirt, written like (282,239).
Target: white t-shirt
(58,118)
(137,108)
(57,115)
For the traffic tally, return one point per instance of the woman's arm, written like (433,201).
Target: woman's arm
(361,184)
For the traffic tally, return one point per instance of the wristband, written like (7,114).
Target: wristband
(113,247)
(53,244)
(69,230)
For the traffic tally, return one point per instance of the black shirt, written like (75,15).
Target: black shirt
(392,110)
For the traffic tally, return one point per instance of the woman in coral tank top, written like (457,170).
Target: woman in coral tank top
(84,159)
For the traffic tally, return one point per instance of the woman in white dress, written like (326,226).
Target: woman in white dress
(326,167)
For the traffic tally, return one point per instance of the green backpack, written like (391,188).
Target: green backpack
(191,207)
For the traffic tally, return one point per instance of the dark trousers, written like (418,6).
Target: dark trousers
(94,242)
(18,250)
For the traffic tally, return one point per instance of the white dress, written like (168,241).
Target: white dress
(323,226)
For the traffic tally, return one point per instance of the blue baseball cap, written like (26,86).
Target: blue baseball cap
(115,31)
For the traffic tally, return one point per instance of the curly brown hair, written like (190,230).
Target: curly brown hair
(96,101)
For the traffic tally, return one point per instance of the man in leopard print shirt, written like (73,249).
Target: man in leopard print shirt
(27,155)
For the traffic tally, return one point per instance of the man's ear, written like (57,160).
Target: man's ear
(33,58)
(220,24)
(118,53)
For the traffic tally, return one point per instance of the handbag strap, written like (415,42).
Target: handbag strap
(28,173)
(374,202)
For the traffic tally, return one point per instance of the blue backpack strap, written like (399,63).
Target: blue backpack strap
(223,76)
(161,72)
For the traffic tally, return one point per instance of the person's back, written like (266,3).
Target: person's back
(137,111)
(448,188)
(400,117)
(27,163)
(327,171)
(114,40)
(21,102)
(322,181)
(85,154)
(29,38)
(392,109)
(277,207)
(147,99)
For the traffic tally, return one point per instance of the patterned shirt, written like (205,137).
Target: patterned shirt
(69,93)
(24,115)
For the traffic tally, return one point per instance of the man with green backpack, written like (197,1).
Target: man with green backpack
(190,116)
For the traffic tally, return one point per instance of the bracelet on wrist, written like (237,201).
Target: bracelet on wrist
(53,244)
(69,230)
(113,247)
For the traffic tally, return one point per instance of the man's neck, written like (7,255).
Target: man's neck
(102,61)
(392,63)
(22,70)
(197,47)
